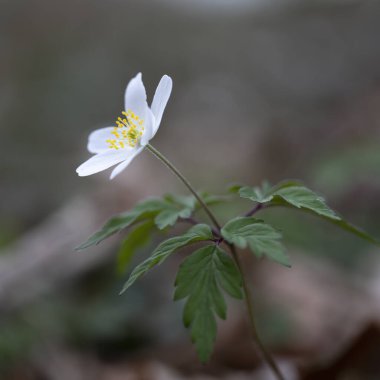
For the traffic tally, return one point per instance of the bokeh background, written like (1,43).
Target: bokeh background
(263,90)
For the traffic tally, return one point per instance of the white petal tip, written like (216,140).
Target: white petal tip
(168,82)
(160,99)
(167,77)
(137,76)
(81,173)
(114,174)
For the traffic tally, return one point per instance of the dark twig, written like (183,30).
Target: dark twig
(258,207)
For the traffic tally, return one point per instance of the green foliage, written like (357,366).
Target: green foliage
(135,240)
(258,194)
(355,230)
(143,210)
(175,207)
(200,232)
(301,197)
(295,195)
(234,188)
(181,201)
(261,238)
(164,211)
(201,279)
(209,272)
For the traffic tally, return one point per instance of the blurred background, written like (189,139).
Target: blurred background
(263,90)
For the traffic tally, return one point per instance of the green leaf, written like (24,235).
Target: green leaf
(169,216)
(256,194)
(183,201)
(176,207)
(294,194)
(265,192)
(261,238)
(201,279)
(290,193)
(234,188)
(200,232)
(302,197)
(143,210)
(136,239)
(355,230)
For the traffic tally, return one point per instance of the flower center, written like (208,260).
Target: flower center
(127,132)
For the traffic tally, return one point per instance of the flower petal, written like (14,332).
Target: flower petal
(97,140)
(103,161)
(135,97)
(149,128)
(160,99)
(119,168)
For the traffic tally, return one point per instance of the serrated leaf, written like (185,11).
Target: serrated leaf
(255,194)
(183,207)
(294,194)
(259,194)
(183,201)
(141,211)
(330,216)
(261,238)
(166,218)
(234,188)
(200,232)
(265,192)
(200,279)
(136,239)
(177,206)
(170,215)
(302,197)
(355,230)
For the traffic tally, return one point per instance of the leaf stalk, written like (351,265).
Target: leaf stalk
(267,357)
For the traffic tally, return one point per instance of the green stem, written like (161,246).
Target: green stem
(267,357)
(247,294)
(162,158)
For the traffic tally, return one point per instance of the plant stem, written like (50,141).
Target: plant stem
(258,207)
(162,158)
(247,294)
(190,220)
(267,357)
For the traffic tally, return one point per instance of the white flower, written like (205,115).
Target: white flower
(120,144)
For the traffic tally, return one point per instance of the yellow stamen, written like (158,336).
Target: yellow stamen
(127,132)
(115,133)
(112,144)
